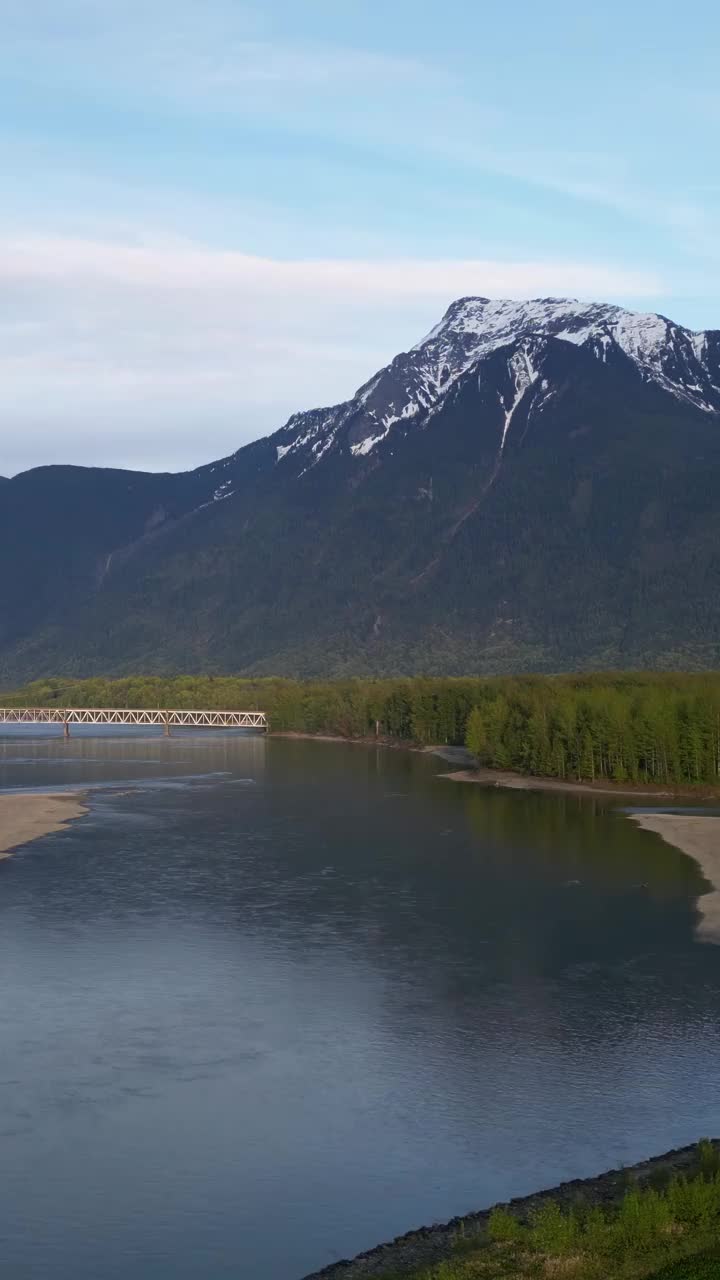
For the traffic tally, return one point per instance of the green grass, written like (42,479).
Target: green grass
(495,1263)
(706,1267)
(666,1231)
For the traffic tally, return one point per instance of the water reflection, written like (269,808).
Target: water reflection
(273,1001)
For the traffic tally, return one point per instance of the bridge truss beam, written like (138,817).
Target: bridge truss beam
(170,718)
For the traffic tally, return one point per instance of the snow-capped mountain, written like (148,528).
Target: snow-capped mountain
(534,486)
(402,396)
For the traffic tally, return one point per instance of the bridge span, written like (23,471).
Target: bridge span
(169,719)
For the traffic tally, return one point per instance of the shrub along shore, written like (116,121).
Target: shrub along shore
(658,1219)
(624,727)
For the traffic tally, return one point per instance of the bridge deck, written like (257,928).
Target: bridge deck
(168,718)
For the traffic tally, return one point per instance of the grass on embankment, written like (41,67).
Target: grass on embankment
(704,1268)
(666,1231)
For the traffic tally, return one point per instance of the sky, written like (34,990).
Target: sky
(215,214)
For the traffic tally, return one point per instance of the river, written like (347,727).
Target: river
(271,1002)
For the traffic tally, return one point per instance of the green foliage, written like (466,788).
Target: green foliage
(643,1217)
(695,1202)
(594,1225)
(553,1231)
(475,736)
(706,1267)
(658,730)
(643,728)
(632,1238)
(708,1158)
(504,1226)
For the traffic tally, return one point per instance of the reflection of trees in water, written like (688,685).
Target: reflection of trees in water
(434,924)
(463,900)
(580,834)
(512,991)
(455,902)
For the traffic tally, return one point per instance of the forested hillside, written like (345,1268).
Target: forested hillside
(532,488)
(624,727)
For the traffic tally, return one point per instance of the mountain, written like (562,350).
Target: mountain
(534,486)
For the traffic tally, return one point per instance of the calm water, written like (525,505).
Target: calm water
(272,1002)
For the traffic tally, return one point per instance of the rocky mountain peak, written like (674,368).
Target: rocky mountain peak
(412,388)
(682,362)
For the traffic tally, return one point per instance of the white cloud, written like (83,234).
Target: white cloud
(168,354)
(177,264)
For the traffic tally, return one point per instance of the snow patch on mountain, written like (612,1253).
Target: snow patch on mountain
(524,374)
(416,383)
(675,358)
(365,446)
(662,351)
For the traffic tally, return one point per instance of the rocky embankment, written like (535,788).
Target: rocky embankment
(429,1245)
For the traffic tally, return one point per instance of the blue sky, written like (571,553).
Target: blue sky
(214,214)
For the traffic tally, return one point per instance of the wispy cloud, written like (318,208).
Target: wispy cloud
(217,58)
(151,341)
(181,265)
(214,55)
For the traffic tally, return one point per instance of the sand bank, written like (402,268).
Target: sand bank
(527,782)
(698,836)
(25,816)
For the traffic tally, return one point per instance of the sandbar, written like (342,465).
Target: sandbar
(25,816)
(507,780)
(698,835)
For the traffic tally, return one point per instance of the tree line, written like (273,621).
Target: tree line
(657,728)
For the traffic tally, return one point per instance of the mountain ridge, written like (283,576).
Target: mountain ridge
(472,328)
(449,516)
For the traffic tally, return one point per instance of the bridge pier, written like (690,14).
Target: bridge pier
(66,729)
(167,727)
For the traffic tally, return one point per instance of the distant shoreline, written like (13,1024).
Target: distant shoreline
(26,816)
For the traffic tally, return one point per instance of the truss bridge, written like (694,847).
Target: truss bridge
(167,719)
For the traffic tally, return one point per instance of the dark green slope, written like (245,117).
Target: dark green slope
(61,527)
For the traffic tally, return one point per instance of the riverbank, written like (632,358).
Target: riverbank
(409,1254)
(529,782)
(698,836)
(25,816)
